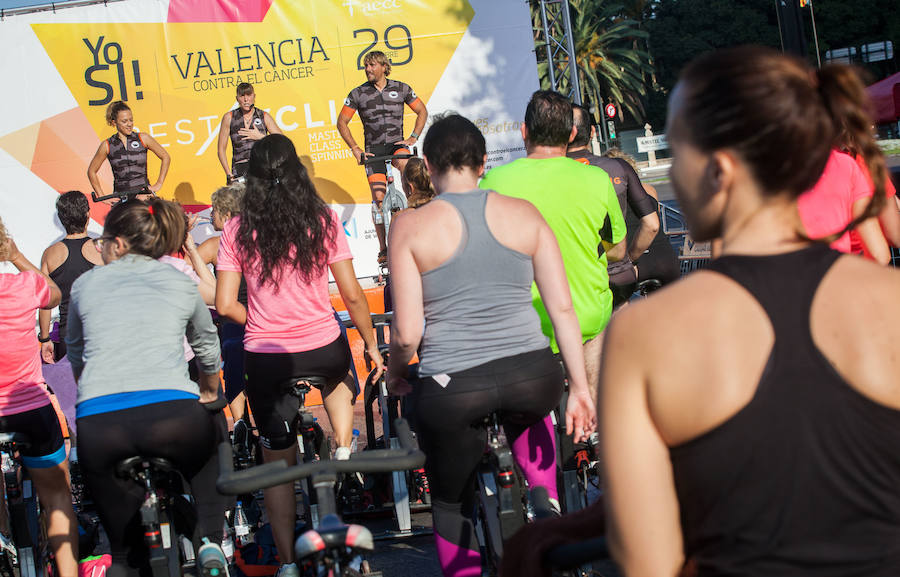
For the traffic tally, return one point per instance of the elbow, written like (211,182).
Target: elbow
(404,340)
(652,224)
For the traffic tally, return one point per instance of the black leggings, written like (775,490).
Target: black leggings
(523,388)
(181,431)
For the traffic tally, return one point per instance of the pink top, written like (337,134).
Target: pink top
(856,244)
(828,206)
(21,382)
(296,318)
(181,265)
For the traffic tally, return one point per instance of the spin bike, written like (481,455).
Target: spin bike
(122,195)
(394,198)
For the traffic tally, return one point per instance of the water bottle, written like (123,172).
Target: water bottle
(241,526)
(376,213)
(354,442)
(227,542)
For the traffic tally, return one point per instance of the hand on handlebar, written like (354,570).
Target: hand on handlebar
(360,154)
(581,416)
(155,188)
(407,142)
(372,353)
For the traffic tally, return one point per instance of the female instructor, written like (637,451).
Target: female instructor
(126,151)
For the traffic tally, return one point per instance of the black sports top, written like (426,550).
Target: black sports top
(128,162)
(65,274)
(241,146)
(805,479)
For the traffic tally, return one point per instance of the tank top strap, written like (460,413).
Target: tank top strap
(470,206)
(784,285)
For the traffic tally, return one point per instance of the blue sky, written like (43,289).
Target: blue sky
(18,3)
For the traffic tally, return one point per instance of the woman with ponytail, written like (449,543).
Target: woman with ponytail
(761,436)
(283,243)
(127,322)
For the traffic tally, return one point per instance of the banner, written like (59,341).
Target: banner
(177,65)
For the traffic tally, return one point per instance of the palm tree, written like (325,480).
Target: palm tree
(611,65)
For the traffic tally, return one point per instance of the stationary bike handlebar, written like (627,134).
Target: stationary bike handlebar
(231,482)
(122,195)
(384,158)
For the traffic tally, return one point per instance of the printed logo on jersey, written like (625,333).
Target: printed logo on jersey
(413,94)
(393,94)
(347,101)
(257,121)
(135,144)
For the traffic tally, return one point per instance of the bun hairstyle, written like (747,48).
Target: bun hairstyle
(153,228)
(416,175)
(113,110)
(284,224)
(782,117)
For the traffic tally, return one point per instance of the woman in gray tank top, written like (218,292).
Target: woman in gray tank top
(464,265)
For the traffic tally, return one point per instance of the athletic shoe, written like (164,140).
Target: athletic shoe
(239,438)
(211,561)
(342,453)
(554,507)
(288,570)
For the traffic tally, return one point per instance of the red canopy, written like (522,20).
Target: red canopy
(885,95)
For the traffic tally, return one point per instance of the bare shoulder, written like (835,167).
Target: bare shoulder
(862,290)
(54,255)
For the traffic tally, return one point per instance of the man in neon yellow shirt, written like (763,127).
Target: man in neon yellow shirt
(580,205)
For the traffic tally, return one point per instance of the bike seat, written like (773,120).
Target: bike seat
(332,533)
(132,466)
(299,386)
(12,440)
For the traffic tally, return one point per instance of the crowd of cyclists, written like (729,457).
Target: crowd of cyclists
(748,414)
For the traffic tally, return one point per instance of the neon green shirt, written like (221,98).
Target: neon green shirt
(580,205)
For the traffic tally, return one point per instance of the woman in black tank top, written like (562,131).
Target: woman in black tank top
(760,436)
(126,151)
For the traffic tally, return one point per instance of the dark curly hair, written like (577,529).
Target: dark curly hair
(284,225)
(73,211)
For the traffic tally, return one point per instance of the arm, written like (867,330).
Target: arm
(643,525)
(421,118)
(612,235)
(550,277)
(19,261)
(44,319)
(75,334)
(222,142)
(163,156)
(227,305)
(207,285)
(204,340)
(870,233)
(343,129)
(409,313)
(358,307)
(646,232)
(271,125)
(890,220)
(94,167)
(615,252)
(208,250)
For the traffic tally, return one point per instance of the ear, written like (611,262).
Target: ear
(721,172)
(524,131)
(593,132)
(481,170)
(120,247)
(572,134)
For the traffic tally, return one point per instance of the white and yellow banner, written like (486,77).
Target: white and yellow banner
(177,64)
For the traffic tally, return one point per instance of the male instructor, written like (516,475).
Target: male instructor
(580,205)
(380,104)
(244,126)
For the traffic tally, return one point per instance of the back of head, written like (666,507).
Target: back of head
(284,222)
(227,199)
(73,211)
(416,175)
(154,228)
(616,152)
(548,119)
(452,143)
(779,115)
(581,118)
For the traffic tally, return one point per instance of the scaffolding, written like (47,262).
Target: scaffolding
(553,41)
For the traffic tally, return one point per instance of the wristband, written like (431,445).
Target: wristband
(414,134)
(44,339)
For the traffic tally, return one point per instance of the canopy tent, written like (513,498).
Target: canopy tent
(885,95)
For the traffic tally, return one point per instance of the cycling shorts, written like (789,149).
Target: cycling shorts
(383,150)
(269,377)
(41,426)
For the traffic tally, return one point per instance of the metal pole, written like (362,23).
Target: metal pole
(551,72)
(570,44)
(812,16)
